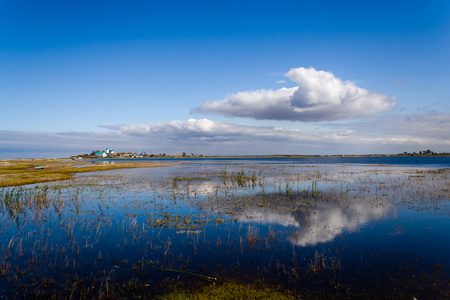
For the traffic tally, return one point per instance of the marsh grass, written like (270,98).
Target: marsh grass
(230,290)
(22,172)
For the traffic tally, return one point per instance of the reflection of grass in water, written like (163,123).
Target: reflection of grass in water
(321,262)
(252,235)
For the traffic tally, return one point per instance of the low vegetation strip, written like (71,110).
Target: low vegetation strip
(230,290)
(16,172)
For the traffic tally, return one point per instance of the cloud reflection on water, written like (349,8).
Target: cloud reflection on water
(319,224)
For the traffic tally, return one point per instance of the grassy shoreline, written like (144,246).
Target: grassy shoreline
(16,172)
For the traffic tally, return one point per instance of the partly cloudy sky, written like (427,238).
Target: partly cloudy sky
(224,77)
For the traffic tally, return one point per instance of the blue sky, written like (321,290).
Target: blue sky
(224,77)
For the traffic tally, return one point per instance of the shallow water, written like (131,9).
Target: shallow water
(412,161)
(316,229)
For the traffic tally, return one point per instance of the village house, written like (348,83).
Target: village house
(103,154)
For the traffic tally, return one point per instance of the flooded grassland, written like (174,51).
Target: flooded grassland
(306,231)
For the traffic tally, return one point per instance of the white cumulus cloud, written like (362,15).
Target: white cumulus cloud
(319,96)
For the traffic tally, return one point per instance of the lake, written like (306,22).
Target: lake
(320,227)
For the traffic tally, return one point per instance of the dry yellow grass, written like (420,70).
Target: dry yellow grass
(230,290)
(15,172)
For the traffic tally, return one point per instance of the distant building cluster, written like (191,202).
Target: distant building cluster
(108,153)
(97,154)
(103,154)
(425,152)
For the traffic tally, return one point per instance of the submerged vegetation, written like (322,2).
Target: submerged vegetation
(234,231)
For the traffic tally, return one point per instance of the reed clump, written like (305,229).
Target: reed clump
(241,178)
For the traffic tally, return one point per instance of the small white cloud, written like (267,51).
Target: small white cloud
(320,96)
(280,81)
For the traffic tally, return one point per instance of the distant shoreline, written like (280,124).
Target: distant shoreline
(276,156)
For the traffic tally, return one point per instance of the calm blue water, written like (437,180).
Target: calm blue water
(344,226)
(413,161)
